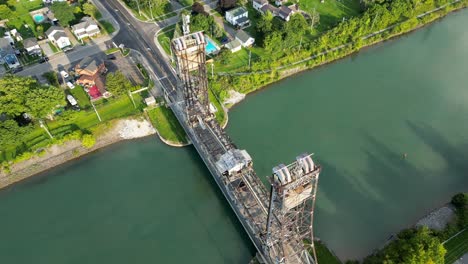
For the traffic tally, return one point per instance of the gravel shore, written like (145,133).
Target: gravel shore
(118,130)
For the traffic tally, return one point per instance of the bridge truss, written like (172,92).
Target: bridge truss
(279,222)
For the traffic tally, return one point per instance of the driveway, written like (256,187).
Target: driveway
(462,260)
(46,48)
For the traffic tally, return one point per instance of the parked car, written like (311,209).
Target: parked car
(73,102)
(70,85)
(64,74)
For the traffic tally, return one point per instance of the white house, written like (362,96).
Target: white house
(57,36)
(285,12)
(86,28)
(14,33)
(234,46)
(32,47)
(245,39)
(238,17)
(258,4)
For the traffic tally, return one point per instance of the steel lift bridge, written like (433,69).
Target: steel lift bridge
(279,221)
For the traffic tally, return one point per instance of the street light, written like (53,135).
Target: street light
(41,124)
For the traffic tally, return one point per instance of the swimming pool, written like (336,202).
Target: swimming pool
(210,46)
(39,18)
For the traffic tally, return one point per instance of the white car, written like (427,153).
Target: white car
(64,74)
(71,100)
(70,85)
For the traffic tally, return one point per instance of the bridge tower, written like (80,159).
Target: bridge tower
(189,51)
(289,232)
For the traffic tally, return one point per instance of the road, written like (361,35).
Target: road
(139,36)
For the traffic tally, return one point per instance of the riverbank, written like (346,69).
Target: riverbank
(252,81)
(112,132)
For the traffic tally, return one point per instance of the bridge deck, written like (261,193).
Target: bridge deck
(247,195)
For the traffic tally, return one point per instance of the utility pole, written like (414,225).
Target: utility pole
(300,44)
(151,9)
(313,19)
(95,110)
(212,70)
(131,98)
(41,124)
(138,4)
(250,56)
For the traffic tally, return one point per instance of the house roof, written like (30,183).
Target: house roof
(242,20)
(237,11)
(270,8)
(94,92)
(57,32)
(29,42)
(261,2)
(89,64)
(52,28)
(5,47)
(84,24)
(242,36)
(233,44)
(285,11)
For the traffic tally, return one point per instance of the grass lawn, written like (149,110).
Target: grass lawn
(164,38)
(331,11)
(107,26)
(81,97)
(456,247)
(324,255)
(164,120)
(22,17)
(186,2)
(112,50)
(83,120)
(220,115)
(53,47)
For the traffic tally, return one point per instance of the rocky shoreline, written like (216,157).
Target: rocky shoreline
(119,130)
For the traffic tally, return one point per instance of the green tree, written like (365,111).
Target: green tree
(13,91)
(5,12)
(459,200)
(224,55)
(294,30)
(89,9)
(11,133)
(88,141)
(63,12)
(40,30)
(273,44)
(413,246)
(117,83)
(265,24)
(42,100)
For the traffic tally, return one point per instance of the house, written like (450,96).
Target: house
(57,36)
(32,47)
(285,13)
(258,4)
(269,8)
(7,54)
(91,71)
(233,46)
(86,28)
(238,17)
(245,39)
(280,2)
(15,34)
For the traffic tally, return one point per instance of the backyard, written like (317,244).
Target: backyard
(70,121)
(22,20)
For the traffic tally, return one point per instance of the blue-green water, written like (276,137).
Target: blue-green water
(144,202)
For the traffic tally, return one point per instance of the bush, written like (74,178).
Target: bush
(88,141)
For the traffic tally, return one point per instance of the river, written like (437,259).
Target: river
(144,202)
